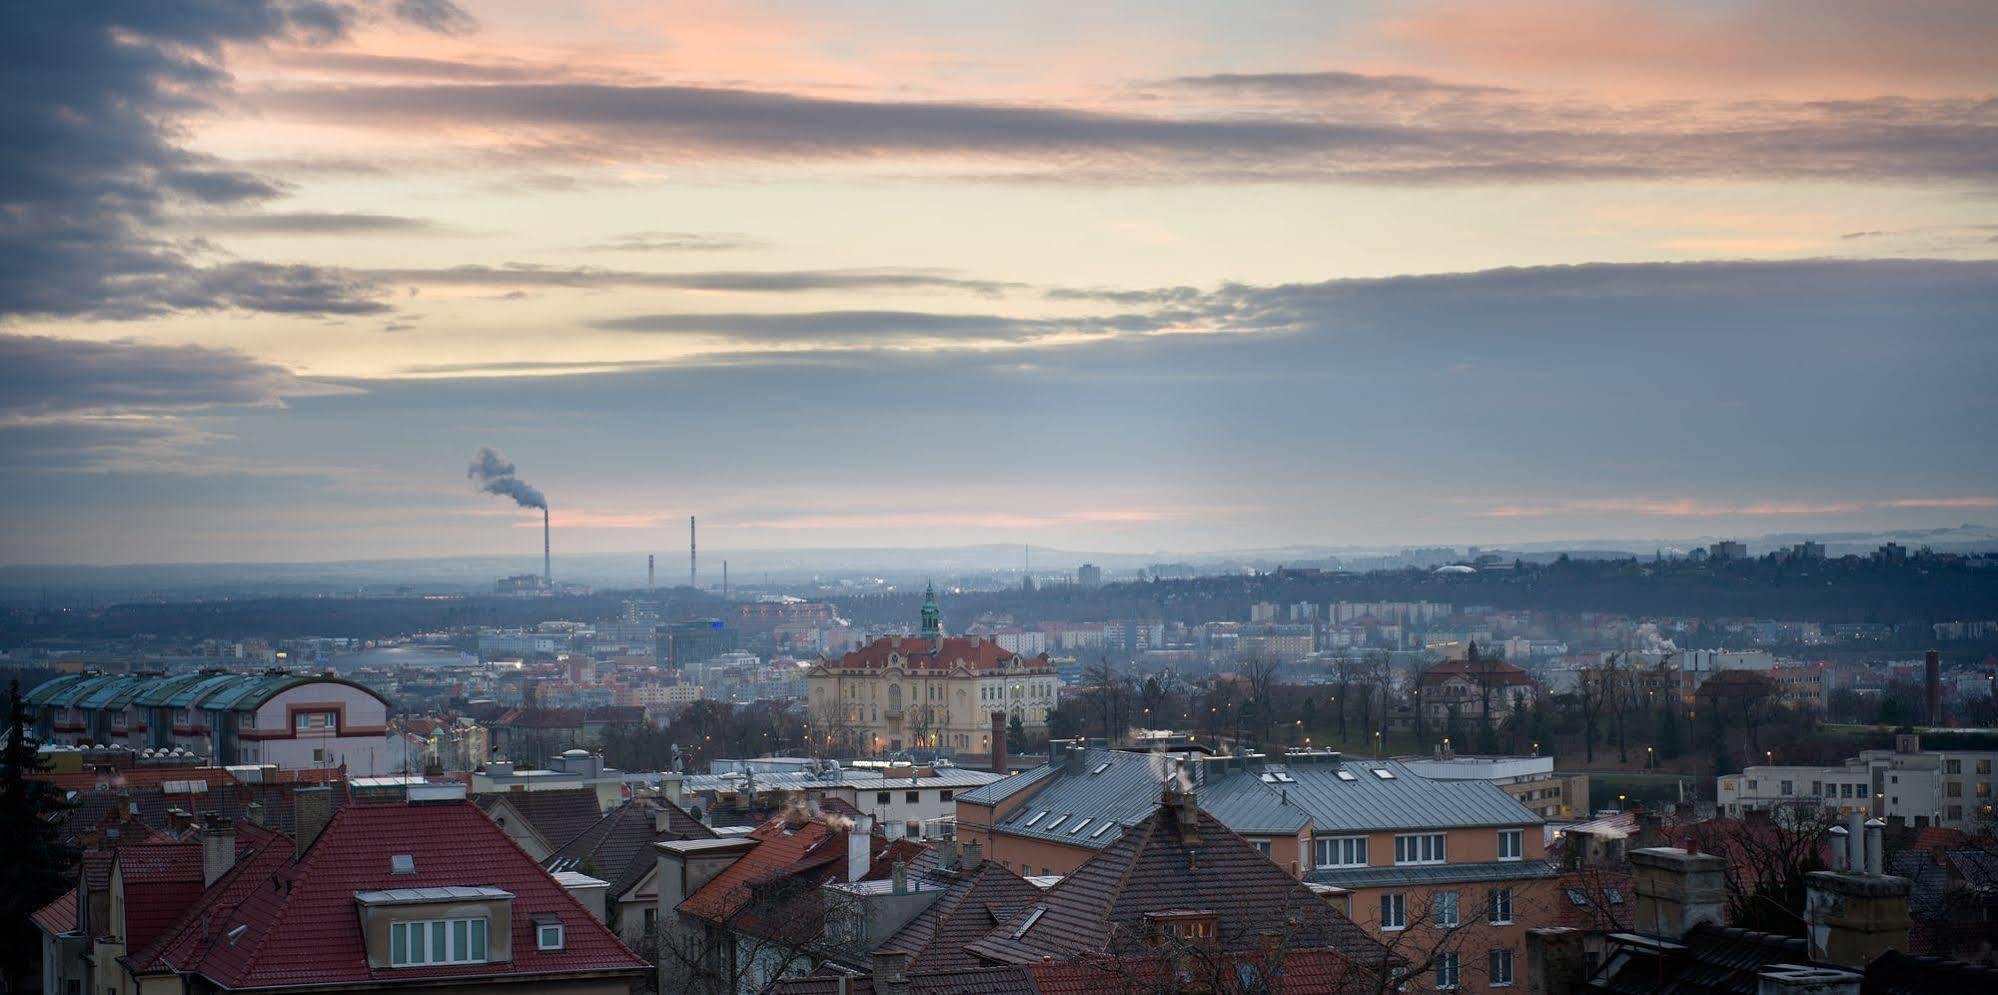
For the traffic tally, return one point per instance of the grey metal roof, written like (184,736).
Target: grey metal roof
(1091,790)
(1251,807)
(1384,877)
(1000,790)
(450,893)
(1370,803)
(860,779)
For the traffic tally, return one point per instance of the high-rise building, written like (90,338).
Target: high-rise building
(1089,575)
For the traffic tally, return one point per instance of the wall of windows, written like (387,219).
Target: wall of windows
(1426,848)
(1341,851)
(420,942)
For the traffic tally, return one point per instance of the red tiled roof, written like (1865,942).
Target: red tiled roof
(974,652)
(1480,671)
(262,854)
(57,917)
(300,923)
(161,880)
(788,855)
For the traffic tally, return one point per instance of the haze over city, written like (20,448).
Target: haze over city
(1116,277)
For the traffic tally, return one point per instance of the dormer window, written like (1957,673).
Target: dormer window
(548,932)
(1190,926)
(402,863)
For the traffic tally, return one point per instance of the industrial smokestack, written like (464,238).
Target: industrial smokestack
(1932,674)
(648,573)
(693,575)
(724,580)
(493,474)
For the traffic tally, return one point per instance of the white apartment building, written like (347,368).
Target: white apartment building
(1946,788)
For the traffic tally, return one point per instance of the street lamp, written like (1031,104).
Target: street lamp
(1650,758)
(1619,803)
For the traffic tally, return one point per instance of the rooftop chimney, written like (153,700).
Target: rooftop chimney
(1852,918)
(899,876)
(312,809)
(859,847)
(890,973)
(974,854)
(218,847)
(1677,890)
(999,744)
(1794,979)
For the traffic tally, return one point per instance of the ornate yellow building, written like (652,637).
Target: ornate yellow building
(932,692)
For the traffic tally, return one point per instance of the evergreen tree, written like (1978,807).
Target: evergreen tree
(1671,742)
(35,864)
(1016,734)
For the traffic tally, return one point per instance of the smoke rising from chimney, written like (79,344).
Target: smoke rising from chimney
(494,475)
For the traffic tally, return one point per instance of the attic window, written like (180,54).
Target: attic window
(1100,830)
(1058,820)
(1079,823)
(548,933)
(1383,773)
(1615,897)
(237,934)
(1099,768)
(1038,816)
(1283,777)
(1032,918)
(1268,778)
(1347,775)
(402,863)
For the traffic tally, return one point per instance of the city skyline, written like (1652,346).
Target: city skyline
(1116,278)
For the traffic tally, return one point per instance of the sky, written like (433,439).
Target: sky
(1119,276)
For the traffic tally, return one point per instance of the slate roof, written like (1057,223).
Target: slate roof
(1720,960)
(618,848)
(1420,874)
(557,816)
(974,902)
(1405,801)
(1153,868)
(1074,792)
(1274,798)
(300,926)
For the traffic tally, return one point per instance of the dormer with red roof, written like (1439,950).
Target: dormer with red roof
(388,895)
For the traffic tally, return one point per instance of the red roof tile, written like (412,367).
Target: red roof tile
(58,917)
(973,652)
(300,926)
(161,880)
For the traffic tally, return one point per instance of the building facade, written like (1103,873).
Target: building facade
(1952,789)
(270,717)
(932,692)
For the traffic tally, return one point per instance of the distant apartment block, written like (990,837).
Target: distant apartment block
(270,717)
(1952,789)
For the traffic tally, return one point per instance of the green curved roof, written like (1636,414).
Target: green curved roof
(233,692)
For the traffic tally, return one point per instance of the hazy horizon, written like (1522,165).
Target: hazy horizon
(1109,276)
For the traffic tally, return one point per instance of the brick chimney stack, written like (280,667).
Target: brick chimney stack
(1932,677)
(999,744)
(1677,890)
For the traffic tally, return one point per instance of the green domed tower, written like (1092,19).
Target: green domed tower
(932,615)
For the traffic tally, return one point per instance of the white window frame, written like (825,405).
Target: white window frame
(1342,849)
(1500,966)
(1517,839)
(541,934)
(1421,848)
(1497,901)
(1449,971)
(1446,901)
(1394,911)
(465,940)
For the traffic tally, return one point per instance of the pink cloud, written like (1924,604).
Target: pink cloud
(1686,507)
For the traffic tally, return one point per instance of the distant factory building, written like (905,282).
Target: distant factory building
(290,720)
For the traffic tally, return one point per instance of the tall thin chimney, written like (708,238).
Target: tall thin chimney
(1932,673)
(693,576)
(724,580)
(999,744)
(547,561)
(649,575)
